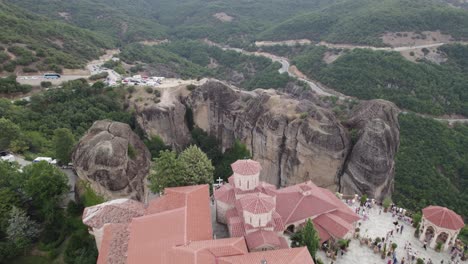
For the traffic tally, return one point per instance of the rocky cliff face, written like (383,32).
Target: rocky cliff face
(291,135)
(114,160)
(166,118)
(370,166)
(294,140)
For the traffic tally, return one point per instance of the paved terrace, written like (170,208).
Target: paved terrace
(378,226)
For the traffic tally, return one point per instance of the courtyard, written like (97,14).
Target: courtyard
(378,225)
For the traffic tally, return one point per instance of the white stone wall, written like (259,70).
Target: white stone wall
(257,220)
(221,209)
(246,182)
(98,234)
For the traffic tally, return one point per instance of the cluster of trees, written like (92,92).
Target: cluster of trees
(190,167)
(30,212)
(51,122)
(193,59)
(431,165)
(201,163)
(364,21)
(9,85)
(422,87)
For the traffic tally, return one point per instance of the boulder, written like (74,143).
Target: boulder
(370,167)
(294,140)
(114,160)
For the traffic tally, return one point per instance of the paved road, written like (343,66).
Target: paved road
(285,67)
(36,80)
(317,87)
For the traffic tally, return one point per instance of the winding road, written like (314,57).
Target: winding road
(319,88)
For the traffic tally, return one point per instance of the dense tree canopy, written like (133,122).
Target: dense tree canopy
(191,167)
(63,141)
(431,165)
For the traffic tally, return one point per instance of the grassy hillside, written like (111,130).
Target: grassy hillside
(432,165)
(363,21)
(356,21)
(123,21)
(422,87)
(38,43)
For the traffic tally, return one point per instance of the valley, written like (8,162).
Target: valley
(357,101)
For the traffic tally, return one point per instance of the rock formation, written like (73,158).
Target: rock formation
(165,119)
(370,166)
(114,160)
(294,140)
(293,137)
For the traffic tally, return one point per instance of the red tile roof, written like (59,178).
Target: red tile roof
(333,225)
(207,251)
(116,211)
(281,256)
(293,206)
(443,217)
(246,167)
(262,238)
(225,194)
(258,203)
(152,236)
(323,234)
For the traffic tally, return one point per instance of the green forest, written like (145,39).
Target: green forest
(423,87)
(364,21)
(192,59)
(361,21)
(431,165)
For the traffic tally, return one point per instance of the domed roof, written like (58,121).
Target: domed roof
(443,217)
(246,167)
(257,203)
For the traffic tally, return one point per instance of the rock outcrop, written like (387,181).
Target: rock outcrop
(294,140)
(165,119)
(370,166)
(114,160)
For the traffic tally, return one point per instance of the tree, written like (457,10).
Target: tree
(155,145)
(45,185)
(166,172)
(190,168)
(308,237)
(10,132)
(238,151)
(21,230)
(363,199)
(63,142)
(196,167)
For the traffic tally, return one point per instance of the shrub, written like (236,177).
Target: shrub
(99,76)
(29,70)
(191,87)
(386,203)
(157,93)
(411,53)
(438,246)
(419,261)
(131,89)
(132,152)
(304,115)
(46,84)
(149,90)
